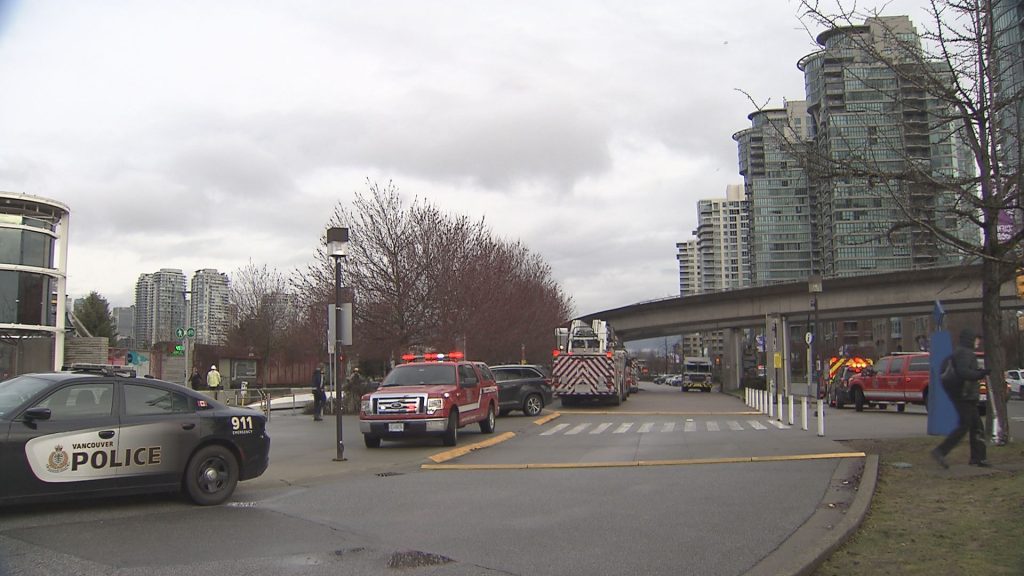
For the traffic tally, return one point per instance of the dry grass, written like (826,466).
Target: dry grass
(929,521)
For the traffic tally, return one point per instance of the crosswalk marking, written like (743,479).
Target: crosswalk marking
(578,429)
(555,429)
(689,426)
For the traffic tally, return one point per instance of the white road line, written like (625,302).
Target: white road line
(712,426)
(779,425)
(756,425)
(555,429)
(601,427)
(578,429)
(645,428)
(668,427)
(623,428)
(690,426)
(734,425)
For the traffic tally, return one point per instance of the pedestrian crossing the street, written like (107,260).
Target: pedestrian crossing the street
(688,426)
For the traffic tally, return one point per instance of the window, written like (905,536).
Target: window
(147,400)
(467,376)
(92,400)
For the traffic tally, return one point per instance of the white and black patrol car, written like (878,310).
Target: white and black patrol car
(97,431)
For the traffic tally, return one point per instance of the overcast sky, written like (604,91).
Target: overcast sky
(204,134)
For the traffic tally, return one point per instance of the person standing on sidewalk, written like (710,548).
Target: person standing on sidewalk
(319,396)
(195,380)
(213,381)
(964,363)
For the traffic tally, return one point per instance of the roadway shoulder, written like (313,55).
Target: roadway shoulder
(840,513)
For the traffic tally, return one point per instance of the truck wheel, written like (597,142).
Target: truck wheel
(858,399)
(451,435)
(211,475)
(533,404)
(487,424)
(708,389)
(617,399)
(883,406)
(901,407)
(371,441)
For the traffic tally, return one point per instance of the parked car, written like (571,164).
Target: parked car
(1015,380)
(674,380)
(523,387)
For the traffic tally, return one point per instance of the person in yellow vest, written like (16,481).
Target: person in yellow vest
(213,381)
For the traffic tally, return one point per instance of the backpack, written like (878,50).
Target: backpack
(952,383)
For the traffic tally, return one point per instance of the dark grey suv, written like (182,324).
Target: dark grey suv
(523,387)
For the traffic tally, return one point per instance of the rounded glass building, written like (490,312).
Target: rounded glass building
(33,282)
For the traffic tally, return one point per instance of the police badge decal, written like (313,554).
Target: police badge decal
(58,460)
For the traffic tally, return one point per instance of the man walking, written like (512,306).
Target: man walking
(319,396)
(962,388)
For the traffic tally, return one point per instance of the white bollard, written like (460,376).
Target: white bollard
(771,405)
(791,410)
(779,413)
(821,417)
(803,421)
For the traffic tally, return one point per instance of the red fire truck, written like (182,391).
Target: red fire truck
(589,363)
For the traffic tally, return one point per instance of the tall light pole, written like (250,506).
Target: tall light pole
(337,248)
(814,288)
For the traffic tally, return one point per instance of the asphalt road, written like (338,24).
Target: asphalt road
(382,512)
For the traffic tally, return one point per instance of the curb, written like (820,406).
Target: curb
(838,516)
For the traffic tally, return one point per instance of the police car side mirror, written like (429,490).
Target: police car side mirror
(33,414)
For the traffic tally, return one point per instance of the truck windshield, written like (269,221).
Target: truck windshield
(698,367)
(421,375)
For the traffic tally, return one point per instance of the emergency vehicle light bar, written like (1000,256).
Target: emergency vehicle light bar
(433,357)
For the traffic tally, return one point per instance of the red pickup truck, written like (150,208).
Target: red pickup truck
(898,379)
(434,395)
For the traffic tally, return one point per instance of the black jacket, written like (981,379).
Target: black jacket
(966,363)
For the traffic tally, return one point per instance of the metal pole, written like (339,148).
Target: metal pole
(337,350)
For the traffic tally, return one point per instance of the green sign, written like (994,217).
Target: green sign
(191,332)
(179,333)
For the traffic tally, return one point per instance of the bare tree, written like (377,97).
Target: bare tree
(266,312)
(420,277)
(954,86)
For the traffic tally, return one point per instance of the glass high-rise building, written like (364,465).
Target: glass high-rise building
(208,306)
(159,307)
(781,237)
(871,118)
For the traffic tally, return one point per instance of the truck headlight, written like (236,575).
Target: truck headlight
(364,406)
(434,404)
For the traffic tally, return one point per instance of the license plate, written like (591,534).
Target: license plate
(396,427)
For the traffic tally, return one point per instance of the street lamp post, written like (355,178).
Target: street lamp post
(814,288)
(337,245)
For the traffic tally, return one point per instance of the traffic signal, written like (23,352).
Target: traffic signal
(179,350)
(1020,282)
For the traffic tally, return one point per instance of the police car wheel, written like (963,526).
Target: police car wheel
(371,441)
(211,476)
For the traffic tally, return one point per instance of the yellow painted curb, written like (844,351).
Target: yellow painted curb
(661,413)
(456,452)
(546,419)
(640,463)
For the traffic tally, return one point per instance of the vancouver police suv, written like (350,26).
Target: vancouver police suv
(97,430)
